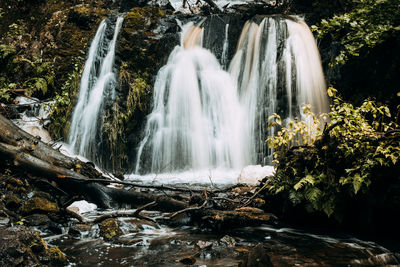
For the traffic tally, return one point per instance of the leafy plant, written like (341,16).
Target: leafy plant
(363,25)
(62,102)
(338,162)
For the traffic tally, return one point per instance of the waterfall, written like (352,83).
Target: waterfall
(278,69)
(225,46)
(97,85)
(204,117)
(197,118)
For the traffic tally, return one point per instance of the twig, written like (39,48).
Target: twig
(189,209)
(75,215)
(255,194)
(126,214)
(140,209)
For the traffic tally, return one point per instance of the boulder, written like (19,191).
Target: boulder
(109,229)
(38,205)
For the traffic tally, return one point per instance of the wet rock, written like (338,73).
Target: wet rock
(84,16)
(188,260)
(55,228)
(42,194)
(228,241)
(56,257)
(15,182)
(257,257)
(12,202)
(109,229)
(20,246)
(39,205)
(4,221)
(203,245)
(79,230)
(37,219)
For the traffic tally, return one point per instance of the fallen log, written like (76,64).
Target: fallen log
(96,193)
(34,156)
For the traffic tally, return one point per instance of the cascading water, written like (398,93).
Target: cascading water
(196,120)
(278,70)
(97,84)
(204,117)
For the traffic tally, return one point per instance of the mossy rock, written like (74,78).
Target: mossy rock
(38,205)
(109,229)
(12,202)
(56,257)
(142,18)
(20,246)
(84,15)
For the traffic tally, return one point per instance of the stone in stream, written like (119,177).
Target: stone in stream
(109,229)
(37,219)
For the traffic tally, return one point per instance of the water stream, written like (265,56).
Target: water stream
(147,244)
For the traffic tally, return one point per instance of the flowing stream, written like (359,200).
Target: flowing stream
(143,243)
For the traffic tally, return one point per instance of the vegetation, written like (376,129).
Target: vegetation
(120,120)
(322,168)
(62,102)
(360,26)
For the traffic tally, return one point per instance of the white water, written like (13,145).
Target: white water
(34,118)
(97,84)
(196,122)
(259,71)
(205,119)
(225,47)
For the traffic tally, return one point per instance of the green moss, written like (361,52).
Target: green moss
(120,120)
(56,256)
(140,18)
(37,204)
(109,229)
(63,104)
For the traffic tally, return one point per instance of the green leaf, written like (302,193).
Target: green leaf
(308,179)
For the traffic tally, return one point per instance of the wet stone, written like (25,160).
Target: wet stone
(37,219)
(188,260)
(80,230)
(37,204)
(56,256)
(4,221)
(228,241)
(109,229)
(15,182)
(12,202)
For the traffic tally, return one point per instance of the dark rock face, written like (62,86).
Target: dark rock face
(147,37)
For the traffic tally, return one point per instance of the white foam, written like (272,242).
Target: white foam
(252,174)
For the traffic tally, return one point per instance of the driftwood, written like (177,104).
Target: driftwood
(75,178)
